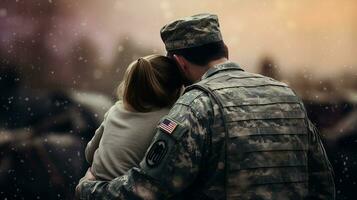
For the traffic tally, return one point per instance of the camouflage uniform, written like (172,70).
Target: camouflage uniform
(233,135)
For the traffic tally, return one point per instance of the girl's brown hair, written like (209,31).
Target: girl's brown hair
(150,82)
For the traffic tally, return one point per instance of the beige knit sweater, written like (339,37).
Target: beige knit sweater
(121,141)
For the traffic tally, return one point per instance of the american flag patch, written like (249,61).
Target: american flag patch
(168,126)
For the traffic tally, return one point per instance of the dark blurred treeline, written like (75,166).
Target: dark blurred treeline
(32,35)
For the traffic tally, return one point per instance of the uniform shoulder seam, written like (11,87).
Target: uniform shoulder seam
(188,98)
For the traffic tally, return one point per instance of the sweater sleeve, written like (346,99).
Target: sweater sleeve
(93,144)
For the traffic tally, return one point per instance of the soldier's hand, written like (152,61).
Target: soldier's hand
(87,177)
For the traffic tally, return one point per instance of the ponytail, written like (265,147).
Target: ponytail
(149,75)
(147,83)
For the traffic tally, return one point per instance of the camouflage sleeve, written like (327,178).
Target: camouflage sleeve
(170,165)
(321,183)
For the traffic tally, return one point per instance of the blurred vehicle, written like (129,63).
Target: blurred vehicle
(43,134)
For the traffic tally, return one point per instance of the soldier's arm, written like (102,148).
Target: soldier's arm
(321,183)
(170,165)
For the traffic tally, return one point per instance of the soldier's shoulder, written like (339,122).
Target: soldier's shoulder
(191,96)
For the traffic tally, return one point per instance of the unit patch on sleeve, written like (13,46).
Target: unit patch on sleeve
(156,153)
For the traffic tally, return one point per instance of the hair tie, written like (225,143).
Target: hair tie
(144,60)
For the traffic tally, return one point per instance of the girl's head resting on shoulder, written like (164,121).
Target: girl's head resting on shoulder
(150,83)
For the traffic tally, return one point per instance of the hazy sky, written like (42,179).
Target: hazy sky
(312,34)
(317,35)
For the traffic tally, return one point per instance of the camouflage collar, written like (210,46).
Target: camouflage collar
(221,67)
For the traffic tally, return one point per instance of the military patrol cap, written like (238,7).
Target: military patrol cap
(192,31)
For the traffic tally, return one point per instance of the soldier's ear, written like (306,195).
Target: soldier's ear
(181,61)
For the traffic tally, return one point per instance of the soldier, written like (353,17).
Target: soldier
(232,135)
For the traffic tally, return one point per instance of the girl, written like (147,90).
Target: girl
(150,86)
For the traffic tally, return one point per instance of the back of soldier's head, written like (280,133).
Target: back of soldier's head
(197,38)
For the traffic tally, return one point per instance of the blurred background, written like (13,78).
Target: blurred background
(61,60)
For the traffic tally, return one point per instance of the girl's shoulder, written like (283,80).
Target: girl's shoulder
(118,111)
(115,108)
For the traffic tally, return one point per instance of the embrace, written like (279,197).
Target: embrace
(194,125)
